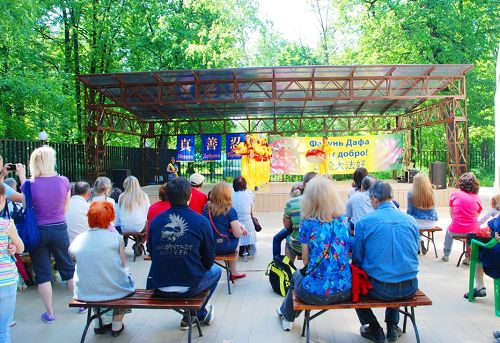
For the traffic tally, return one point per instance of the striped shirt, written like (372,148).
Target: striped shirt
(292,211)
(8,269)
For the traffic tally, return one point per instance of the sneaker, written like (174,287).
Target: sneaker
(185,324)
(377,336)
(393,332)
(466,261)
(48,318)
(285,324)
(423,249)
(12,323)
(445,258)
(82,310)
(209,317)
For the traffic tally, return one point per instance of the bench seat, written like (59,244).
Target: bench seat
(223,262)
(145,299)
(420,299)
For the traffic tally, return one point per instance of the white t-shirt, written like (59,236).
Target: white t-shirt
(134,221)
(76,217)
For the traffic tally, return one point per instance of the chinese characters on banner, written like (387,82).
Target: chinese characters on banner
(185,148)
(344,154)
(211,147)
(232,140)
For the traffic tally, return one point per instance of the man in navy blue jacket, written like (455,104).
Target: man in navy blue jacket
(182,251)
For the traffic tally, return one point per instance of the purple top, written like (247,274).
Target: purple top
(48,195)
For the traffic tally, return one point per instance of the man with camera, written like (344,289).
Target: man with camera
(12,194)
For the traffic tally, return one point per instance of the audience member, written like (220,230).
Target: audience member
(182,240)
(76,217)
(386,245)
(492,213)
(103,278)
(10,193)
(323,233)
(243,201)
(12,206)
(102,190)
(115,195)
(283,234)
(198,198)
(357,177)
(421,205)
(133,206)
(10,243)
(50,195)
(227,230)
(160,206)
(291,220)
(359,204)
(465,207)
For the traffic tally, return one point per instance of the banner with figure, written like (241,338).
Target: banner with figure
(335,155)
(232,140)
(211,147)
(185,148)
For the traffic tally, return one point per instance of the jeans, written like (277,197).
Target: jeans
(296,283)
(448,241)
(7,306)
(278,238)
(54,240)
(208,282)
(387,292)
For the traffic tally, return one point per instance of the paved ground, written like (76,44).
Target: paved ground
(248,315)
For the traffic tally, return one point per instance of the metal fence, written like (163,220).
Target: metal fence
(71,161)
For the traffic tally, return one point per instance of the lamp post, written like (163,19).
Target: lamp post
(43,136)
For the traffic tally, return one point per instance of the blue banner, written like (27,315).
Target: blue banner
(211,147)
(185,148)
(232,140)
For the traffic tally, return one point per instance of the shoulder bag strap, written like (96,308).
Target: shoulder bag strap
(27,194)
(215,227)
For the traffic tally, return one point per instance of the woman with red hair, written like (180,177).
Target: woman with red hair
(100,273)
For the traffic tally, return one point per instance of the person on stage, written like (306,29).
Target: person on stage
(268,153)
(246,150)
(172,169)
(327,149)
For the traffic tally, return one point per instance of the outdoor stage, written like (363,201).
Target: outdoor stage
(273,196)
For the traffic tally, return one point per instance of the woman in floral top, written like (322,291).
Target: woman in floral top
(326,277)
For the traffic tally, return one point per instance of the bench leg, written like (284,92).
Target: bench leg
(464,250)
(190,327)
(413,321)
(305,327)
(433,244)
(405,319)
(229,276)
(90,318)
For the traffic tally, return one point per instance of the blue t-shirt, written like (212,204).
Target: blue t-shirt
(333,273)
(8,190)
(223,224)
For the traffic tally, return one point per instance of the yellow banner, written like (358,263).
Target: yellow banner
(335,155)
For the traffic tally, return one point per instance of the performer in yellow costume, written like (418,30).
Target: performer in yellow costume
(245,149)
(327,149)
(268,153)
(255,163)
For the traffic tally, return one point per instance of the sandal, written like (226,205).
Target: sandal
(478,293)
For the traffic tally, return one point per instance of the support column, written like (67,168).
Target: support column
(456,138)
(95,147)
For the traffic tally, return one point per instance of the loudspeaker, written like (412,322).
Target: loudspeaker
(438,174)
(119,175)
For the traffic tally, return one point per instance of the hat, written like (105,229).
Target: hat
(196,179)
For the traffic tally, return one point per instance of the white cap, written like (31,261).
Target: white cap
(196,179)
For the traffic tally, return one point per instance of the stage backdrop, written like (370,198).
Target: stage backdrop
(376,153)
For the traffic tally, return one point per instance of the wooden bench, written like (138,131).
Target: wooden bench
(139,239)
(464,248)
(223,262)
(420,299)
(429,235)
(145,299)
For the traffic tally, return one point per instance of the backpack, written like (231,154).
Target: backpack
(280,271)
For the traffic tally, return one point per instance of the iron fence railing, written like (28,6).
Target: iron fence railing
(71,161)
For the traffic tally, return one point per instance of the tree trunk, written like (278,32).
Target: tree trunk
(76,61)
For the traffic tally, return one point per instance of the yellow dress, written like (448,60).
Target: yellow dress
(323,166)
(243,150)
(267,163)
(258,157)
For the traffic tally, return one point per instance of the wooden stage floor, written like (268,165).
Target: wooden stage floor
(272,196)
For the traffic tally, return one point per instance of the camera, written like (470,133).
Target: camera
(11,167)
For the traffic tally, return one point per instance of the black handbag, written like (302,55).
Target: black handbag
(256,223)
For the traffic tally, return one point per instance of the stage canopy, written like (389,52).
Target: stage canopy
(278,100)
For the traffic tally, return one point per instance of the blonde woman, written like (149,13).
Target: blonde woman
(133,206)
(225,225)
(421,205)
(50,194)
(323,233)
